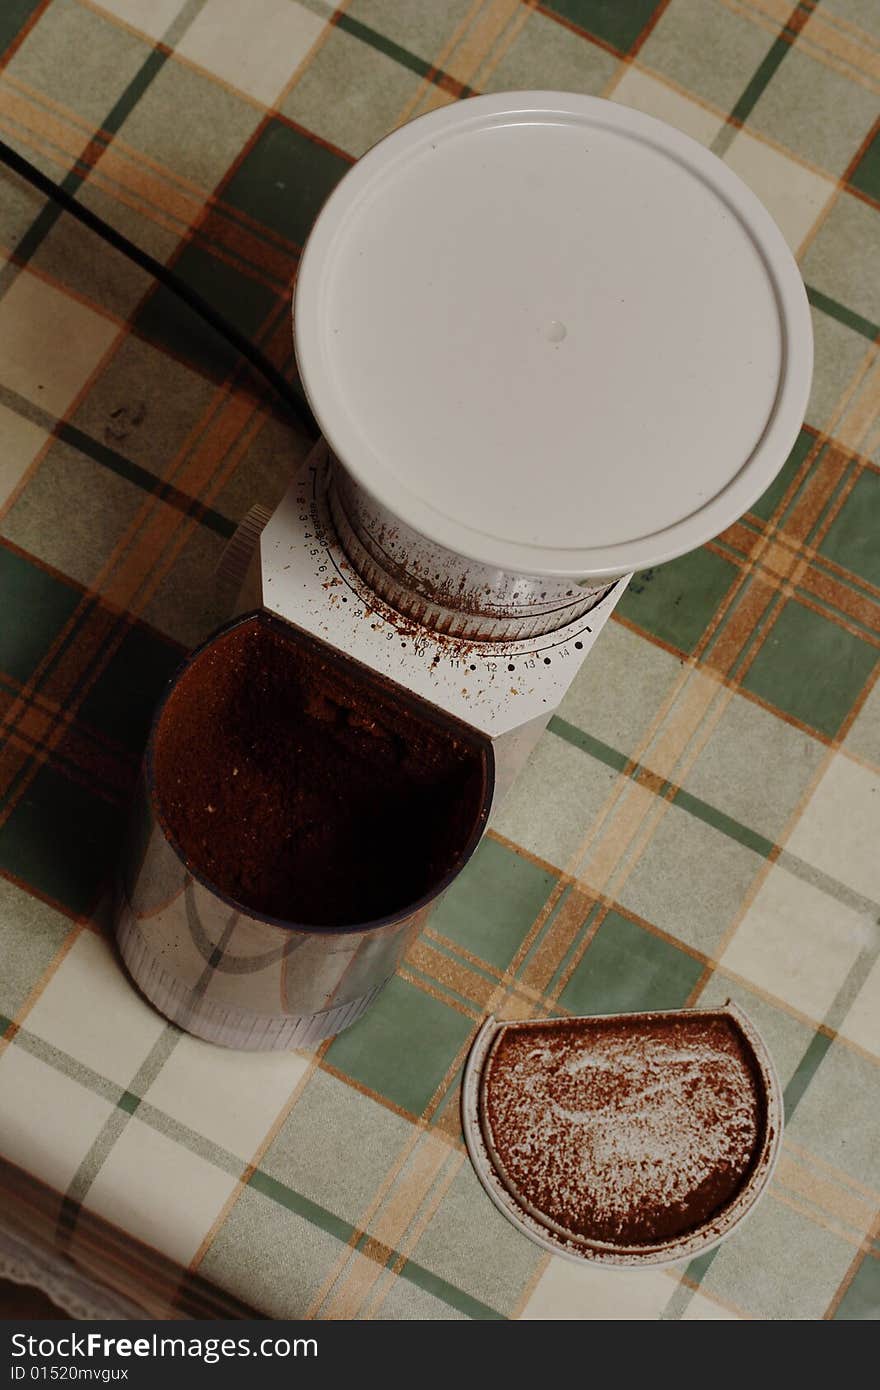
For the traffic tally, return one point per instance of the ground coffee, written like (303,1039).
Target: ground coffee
(306,791)
(626,1131)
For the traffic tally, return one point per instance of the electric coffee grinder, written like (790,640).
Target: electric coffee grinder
(549,341)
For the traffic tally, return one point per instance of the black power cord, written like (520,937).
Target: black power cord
(13,160)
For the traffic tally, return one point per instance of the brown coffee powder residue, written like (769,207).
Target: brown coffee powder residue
(626,1131)
(306,791)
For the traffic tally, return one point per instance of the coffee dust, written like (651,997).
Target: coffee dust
(628,1131)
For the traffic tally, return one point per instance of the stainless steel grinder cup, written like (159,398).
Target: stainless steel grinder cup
(233,975)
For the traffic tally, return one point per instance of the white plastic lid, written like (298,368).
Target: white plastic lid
(553,334)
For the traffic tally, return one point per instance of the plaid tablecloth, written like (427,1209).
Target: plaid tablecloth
(701,819)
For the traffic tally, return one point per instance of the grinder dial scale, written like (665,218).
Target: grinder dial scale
(548,341)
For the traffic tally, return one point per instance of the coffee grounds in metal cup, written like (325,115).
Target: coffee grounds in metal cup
(295,820)
(303,793)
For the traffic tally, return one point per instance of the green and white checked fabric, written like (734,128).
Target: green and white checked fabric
(701,819)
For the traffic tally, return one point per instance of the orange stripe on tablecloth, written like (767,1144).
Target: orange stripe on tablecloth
(503,45)
(740,626)
(449,973)
(540,967)
(478,39)
(835,1203)
(861,418)
(247,246)
(388,1227)
(839,594)
(62,124)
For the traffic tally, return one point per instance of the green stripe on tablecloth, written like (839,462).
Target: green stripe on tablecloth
(345,1232)
(86,1173)
(806,1070)
(68,1066)
(117,463)
(694,805)
(831,887)
(141,477)
(50,213)
(588,743)
(96,1156)
(128,1102)
(448,1293)
(399,54)
(857,322)
(14,16)
(303,1206)
(766,71)
(710,815)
